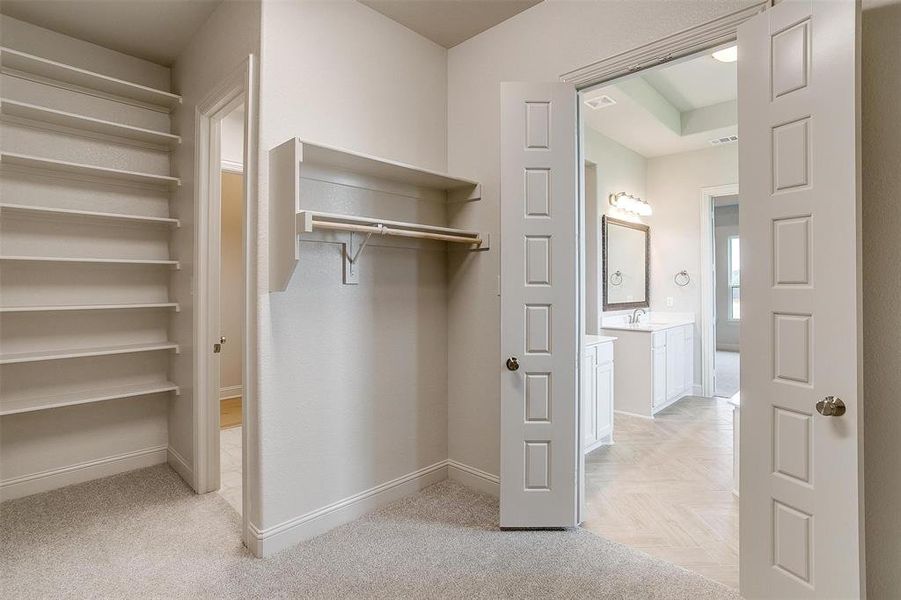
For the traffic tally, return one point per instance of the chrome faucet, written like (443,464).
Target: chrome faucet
(636,315)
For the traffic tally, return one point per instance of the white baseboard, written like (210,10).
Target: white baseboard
(232,391)
(180,466)
(265,542)
(727,347)
(697,390)
(474,478)
(44,481)
(632,414)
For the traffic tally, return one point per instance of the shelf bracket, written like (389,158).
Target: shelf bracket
(351,275)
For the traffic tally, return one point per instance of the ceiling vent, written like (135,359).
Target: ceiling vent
(724,140)
(600,102)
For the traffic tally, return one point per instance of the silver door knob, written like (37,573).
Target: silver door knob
(830,406)
(512,363)
(217,348)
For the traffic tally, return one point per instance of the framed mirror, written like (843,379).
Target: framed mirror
(626,249)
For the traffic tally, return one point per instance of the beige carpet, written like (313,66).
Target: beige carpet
(146,535)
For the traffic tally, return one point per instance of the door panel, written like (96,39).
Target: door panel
(659,375)
(799,221)
(539,305)
(603,412)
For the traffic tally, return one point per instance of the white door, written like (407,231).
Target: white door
(539,306)
(800,235)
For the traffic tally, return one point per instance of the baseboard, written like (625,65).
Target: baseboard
(474,478)
(265,542)
(52,479)
(727,347)
(180,465)
(697,390)
(632,414)
(232,391)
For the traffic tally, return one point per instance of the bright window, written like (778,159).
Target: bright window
(734,278)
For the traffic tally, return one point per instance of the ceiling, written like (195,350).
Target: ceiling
(155,30)
(449,22)
(676,108)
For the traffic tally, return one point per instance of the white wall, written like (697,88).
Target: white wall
(881,293)
(216,51)
(538,44)
(353,380)
(232,140)
(725,225)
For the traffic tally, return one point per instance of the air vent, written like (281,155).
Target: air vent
(600,102)
(724,140)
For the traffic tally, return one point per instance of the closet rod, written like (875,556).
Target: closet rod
(383,227)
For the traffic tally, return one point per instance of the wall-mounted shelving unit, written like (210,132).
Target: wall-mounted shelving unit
(90,81)
(87,214)
(31,404)
(62,166)
(50,116)
(91,260)
(44,355)
(295,160)
(81,307)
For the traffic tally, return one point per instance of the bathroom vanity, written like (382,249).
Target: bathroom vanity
(597,391)
(654,361)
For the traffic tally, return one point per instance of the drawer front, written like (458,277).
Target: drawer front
(605,352)
(659,339)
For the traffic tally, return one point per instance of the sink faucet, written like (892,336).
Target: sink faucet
(636,315)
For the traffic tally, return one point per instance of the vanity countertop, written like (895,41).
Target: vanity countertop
(591,340)
(647,326)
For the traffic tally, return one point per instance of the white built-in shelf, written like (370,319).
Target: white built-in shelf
(80,307)
(72,212)
(296,159)
(23,405)
(25,357)
(14,108)
(62,166)
(90,260)
(89,80)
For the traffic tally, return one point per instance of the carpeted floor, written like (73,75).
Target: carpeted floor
(144,534)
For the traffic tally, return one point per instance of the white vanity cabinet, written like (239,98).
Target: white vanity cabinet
(655,365)
(597,391)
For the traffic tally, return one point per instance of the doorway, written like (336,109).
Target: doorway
(727,296)
(661,479)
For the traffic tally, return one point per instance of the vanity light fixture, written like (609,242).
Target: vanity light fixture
(726,55)
(629,203)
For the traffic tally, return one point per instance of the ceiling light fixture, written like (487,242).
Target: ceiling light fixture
(726,55)
(600,102)
(629,203)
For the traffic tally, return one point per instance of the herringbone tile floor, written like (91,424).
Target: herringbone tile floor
(665,487)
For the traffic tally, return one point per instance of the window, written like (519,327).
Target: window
(734,262)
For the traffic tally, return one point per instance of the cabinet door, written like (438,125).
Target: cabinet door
(604,405)
(688,352)
(659,368)
(675,361)
(589,395)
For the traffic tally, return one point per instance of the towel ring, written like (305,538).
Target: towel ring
(682,278)
(616,278)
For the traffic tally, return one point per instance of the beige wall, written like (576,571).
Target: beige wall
(353,379)
(881,293)
(231,284)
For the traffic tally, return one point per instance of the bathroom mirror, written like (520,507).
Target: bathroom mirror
(625,264)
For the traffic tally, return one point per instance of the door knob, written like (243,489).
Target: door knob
(513,363)
(217,348)
(830,406)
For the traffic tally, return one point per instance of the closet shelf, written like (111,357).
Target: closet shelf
(79,307)
(91,260)
(23,405)
(308,220)
(89,214)
(52,116)
(62,166)
(90,80)
(25,357)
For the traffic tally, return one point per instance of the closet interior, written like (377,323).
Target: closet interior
(87,310)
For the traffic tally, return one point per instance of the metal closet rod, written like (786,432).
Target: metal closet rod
(395,228)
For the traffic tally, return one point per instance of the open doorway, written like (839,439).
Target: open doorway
(660,478)
(727,296)
(231,305)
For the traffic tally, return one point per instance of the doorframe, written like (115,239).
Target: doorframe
(237,88)
(708,284)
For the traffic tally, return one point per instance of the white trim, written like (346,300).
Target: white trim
(43,481)
(231,391)
(632,414)
(179,463)
(474,478)
(231,166)
(265,542)
(708,279)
